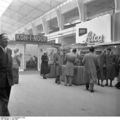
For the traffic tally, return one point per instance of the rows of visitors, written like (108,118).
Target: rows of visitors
(98,67)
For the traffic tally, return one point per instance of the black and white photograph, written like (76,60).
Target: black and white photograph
(59,58)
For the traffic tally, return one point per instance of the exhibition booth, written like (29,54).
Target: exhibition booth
(31,50)
(97,32)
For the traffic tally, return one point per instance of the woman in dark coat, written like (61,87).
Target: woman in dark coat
(110,67)
(118,71)
(102,68)
(44,65)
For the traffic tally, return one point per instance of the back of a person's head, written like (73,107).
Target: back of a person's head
(109,49)
(2,36)
(91,49)
(74,50)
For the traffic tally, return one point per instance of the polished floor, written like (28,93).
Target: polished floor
(34,96)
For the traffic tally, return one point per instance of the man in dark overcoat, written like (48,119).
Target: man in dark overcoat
(44,65)
(91,66)
(110,67)
(6,77)
(102,68)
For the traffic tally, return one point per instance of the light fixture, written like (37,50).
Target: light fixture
(4,5)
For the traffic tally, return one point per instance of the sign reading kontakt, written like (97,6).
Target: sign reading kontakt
(27,38)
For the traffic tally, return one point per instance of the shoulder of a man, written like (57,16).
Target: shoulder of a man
(87,55)
(1,51)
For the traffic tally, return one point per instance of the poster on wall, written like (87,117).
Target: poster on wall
(31,57)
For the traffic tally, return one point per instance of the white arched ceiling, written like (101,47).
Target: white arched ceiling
(21,12)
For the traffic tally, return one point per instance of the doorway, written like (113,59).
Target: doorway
(31,57)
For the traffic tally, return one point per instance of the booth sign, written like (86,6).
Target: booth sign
(93,38)
(27,38)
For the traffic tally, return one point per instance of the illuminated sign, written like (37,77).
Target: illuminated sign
(93,38)
(27,38)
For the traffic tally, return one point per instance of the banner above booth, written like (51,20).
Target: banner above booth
(94,31)
(27,38)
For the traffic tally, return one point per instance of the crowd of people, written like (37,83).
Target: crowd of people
(98,67)
(109,67)
(105,66)
(9,73)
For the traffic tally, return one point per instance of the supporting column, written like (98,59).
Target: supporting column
(81,9)
(117,5)
(0,27)
(60,19)
(24,60)
(113,27)
(34,29)
(45,26)
(38,61)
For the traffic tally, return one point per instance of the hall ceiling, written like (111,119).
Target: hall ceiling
(21,12)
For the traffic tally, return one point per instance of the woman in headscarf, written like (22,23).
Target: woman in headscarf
(44,65)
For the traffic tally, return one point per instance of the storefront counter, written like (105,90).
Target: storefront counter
(79,75)
(78,78)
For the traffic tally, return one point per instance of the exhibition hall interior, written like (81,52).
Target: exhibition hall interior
(59,58)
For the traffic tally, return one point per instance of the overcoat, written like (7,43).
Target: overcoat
(91,64)
(71,58)
(102,67)
(58,61)
(110,67)
(44,65)
(6,80)
(16,64)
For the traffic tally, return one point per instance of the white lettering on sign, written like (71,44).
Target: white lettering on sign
(24,37)
(93,38)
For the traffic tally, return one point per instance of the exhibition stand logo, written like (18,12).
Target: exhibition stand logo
(28,38)
(93,38)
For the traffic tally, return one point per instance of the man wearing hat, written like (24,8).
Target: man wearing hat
(91,66)
(110,69)
(6,78)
